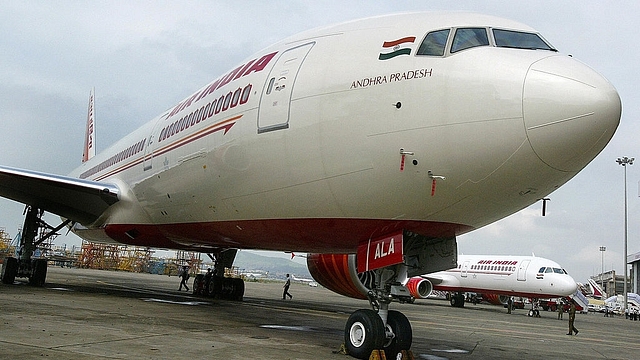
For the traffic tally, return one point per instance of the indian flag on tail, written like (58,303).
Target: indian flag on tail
(391,49)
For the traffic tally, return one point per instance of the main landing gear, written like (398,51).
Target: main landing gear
(379,328)
(23,265)
(214,284)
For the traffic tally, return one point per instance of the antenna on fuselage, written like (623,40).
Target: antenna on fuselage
(544,205)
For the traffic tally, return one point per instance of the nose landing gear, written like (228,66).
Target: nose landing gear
(379,328)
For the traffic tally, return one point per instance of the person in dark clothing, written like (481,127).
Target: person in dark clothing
(286,286)
(184,274)
(572,318)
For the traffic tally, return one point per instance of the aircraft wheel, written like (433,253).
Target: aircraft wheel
(9,270)
(238,289)
(198,284)
(457,300)
(401,328)
(364,333)
(38,272)
(214,287)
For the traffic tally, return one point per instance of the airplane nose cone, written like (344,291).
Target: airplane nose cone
(570,112)
(569,286)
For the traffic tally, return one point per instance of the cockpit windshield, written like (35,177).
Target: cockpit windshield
(435,43)
(520,40)
(552,270)
(469,37)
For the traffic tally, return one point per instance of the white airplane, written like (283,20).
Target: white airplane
(497,278)
(333,141)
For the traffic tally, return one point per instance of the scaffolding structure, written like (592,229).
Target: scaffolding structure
(114,257)
(6,248)
(185,258)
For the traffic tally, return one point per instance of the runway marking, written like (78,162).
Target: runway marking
(190,303)
(284,327)
(60,289)
(453,351)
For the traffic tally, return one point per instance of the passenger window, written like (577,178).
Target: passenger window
(434,43)
(469,37)
(520,40)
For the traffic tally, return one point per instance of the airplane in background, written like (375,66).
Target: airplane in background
(496,278)
(372,143)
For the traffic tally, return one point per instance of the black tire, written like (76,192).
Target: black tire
(363,333)
(38,272)
(214,287)
(9,270)
(457,300)
(403,332)
(198,284)
(238,289)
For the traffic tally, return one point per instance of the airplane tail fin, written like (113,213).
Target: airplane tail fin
(90,136)
(596,289)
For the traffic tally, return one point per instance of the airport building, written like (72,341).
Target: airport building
(611,283)
(634,260)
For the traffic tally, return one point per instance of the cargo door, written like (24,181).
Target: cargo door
(275,100)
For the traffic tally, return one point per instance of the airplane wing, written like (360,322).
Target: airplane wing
(79,200)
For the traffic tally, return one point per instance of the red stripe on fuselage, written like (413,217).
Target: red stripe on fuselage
(305,235)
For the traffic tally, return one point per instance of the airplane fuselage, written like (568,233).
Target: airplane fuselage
(333,136)
(523,276)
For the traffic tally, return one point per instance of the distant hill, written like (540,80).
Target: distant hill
(275,266)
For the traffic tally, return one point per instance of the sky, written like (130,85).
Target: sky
(144,56)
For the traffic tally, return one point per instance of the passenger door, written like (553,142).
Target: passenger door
(275,101)
(522,270)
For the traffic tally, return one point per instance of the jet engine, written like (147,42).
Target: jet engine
(419,288)
(337,272)
(495,299)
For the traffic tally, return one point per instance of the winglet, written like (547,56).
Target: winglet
(90,134)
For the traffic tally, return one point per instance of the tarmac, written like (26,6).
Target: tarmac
(95,314)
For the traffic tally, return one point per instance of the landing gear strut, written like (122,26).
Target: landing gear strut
(535,309)
(380,328)
(24,265)
(214,284)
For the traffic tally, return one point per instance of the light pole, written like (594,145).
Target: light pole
(624,162)
(602,250)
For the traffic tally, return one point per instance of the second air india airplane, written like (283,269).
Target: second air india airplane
(497,278)
(384,137)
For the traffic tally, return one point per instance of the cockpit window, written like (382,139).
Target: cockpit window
(541,270)
(466,38)
(519,40)
(434,43)
(549,270)
(558,271)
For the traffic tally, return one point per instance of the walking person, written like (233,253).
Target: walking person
(184,274)
(572,318)
(286,286)
(560,308)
